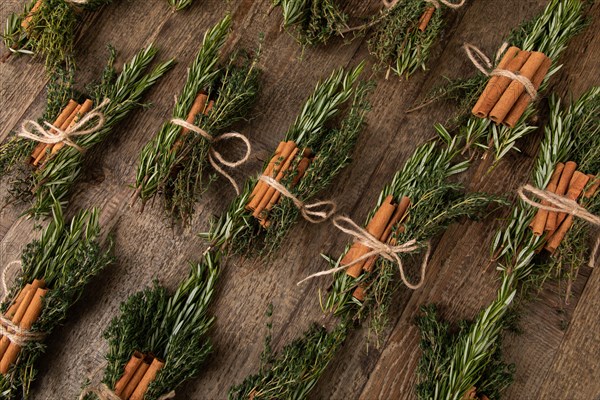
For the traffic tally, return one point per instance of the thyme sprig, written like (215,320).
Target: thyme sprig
(548,33)
(237,229)
(173,328)
(50,31)
(125,90)
(67,256)
(176,166)
(474,349)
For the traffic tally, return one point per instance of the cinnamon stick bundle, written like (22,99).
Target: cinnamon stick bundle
(198,106)
(24,312)
(58,122)
(425,18)
(85,108)
(139,372)
(542,220)
(27,20)
(561,190)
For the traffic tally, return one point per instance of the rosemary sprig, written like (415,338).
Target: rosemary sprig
(549,33)
(294,372)
(172,327)
(237,229)
(50,30)
(179,5)
(55,178)
(474,349)
(176,165)
(66,256)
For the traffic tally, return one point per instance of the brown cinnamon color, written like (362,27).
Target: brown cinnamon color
(128,372)
(425,18)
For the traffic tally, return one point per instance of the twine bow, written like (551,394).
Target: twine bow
(563,205)
(436,3)
(34,131)
(381,249)
(214,154)
(13,332)
(311,211)
(477,57)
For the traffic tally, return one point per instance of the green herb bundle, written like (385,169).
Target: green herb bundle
(331,140)
(470,358)
(175,164)
(173,328)
(66,257)
(54,179)
(548,33)
(47,28)
(294,372)
(435,204)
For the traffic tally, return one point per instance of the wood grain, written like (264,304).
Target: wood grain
(147,247)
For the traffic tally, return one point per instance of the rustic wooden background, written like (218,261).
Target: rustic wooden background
(558,354)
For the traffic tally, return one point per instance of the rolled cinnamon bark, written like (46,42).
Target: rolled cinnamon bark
(268,170)
(197,107)
(512,60)
(15,305)
(425,18)
(516,89)
(136,378)
(278,161)
(593,188)
(18,313)
(272,195)
(561,189)
(576,186)
(307,157)
(63,127)
(540,222)
(553,187)
(85,108)
(58,122)
(128,372)
(558,235)
(31,315)
(149,376)
(375,227)
(25,23)
(523,101)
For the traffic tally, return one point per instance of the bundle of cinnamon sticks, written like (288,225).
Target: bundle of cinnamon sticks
(381,226)
(426,17)
(139,372)
(201,105)
(264,197)
(472,395)
(504,100)
(565,181)
(24,312)
(66,119)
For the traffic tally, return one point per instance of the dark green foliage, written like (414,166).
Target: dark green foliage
(67,256)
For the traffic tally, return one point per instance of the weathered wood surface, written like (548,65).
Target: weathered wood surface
(548,359)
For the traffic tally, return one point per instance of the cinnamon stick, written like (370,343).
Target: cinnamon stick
(512,60)
(128,372)
(20,311)
(523,101)
(272,195)
(516,89)
(576,186)
(197,107)
(136,378)
(63,127)
(303,165)
(58,122)
(425,18)
(31,315)
(561,189)
(268,170)
(540,222)
(553,187)
(277,161)
(148,378)
(593,188)
(25,23)
(85,108)
(557,237)
(375,227)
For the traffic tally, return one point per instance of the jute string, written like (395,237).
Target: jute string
(477,57)
(13,332)
(214,154)
(562,204)
(380,249)
(435,3)
(310,212)
(51,134)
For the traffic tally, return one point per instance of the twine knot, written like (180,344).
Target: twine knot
(214,154)
(34,131)
(315,213)
(477,57)
(381,249)
(435,3)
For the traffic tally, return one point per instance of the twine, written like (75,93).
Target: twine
(34,131)
(14,333)
(436,3)
(309,212)
(381,249)
(214,154)
(563,205)
(476,55)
